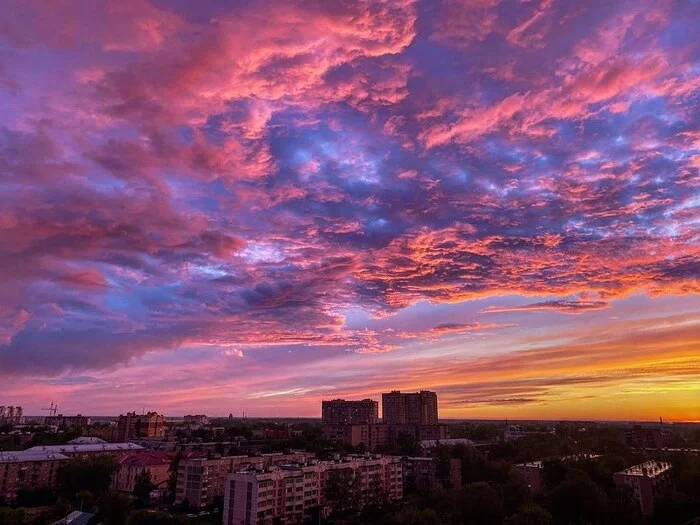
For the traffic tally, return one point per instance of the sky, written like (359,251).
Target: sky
(226,206)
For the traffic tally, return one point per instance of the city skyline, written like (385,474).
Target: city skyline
(220,207)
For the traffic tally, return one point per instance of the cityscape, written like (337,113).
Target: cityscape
(349,466)
(349,262)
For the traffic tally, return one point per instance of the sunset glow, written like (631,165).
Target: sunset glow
(217,207)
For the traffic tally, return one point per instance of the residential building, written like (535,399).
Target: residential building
(416,408)
(10,415)
(427,445)
(342,412)
(27,468)
(62,421)
(131,466)
(643,482)
(290,492)
(89,449)
(200,480)
(75,518)
(372,437)
(638,436)
(428,472)
(133,425)
(198,420)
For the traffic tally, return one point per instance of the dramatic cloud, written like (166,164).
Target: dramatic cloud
(251,179)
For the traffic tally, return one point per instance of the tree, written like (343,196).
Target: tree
(341,489)
(114,509)
(577,500)
(93,474)
(479,504)
(143,487)
(12,516)
(530,515)
(143,517)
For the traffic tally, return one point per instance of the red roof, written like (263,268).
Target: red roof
(146,459)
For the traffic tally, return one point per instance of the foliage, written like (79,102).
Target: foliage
(114,508)
(93,474)
(142,488)
(144,517)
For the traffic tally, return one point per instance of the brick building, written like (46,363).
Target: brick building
(342,412)
(133,425)
(414,408)
(131,466)
(642,483)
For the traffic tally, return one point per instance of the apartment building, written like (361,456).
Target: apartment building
(88,449)
(427,472)
(643,482)
(201,480)
(290,492)
(10,415)
(414,408)
(197,420)
(61,421)
(638,436)
(342,412)
(533,471)
(27,468)
(131,466)
(133,425)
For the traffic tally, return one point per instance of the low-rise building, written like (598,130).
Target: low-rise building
(27,468)
(62,421)
(89,449)
(642,483)
(428,445)
(131,466)
(373,437)
(197,420)
(290,492)
(201,480)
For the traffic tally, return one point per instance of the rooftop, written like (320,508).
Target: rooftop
(89,447)
(648,469)
(19,456)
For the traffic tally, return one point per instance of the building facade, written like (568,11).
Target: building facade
(27,469)
(10,415)
(200,480)
(89,449)
(62,421)
(290,493)
(198,420)
(131,466)
(638,436)
(642,483)
(342,412)
(133,425)
(414,408)
(429,472)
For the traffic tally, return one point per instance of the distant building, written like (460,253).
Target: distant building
(342,412)
(638,436)
(200,480)
(89,449)
(10,415)
(75,518)
(427,445)
(133,425)
(515,432)
(132,465)
(428,472)
(289,493)
(415,408)
(28,468)
(62,421)
(643,482)
(533,471)
(198,420)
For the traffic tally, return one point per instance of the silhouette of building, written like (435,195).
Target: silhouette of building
(416,408)
(342,412)
(642,483)
(426,472)
(638,436)
(133,425)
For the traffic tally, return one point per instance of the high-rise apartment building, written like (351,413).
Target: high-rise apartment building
(62,421)
(342,412)
(414,408)
(290,492)
(133,425)
(10,415)
(642,483)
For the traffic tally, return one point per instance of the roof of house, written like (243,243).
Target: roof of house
(145,459)
(75,518)
(86,440)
